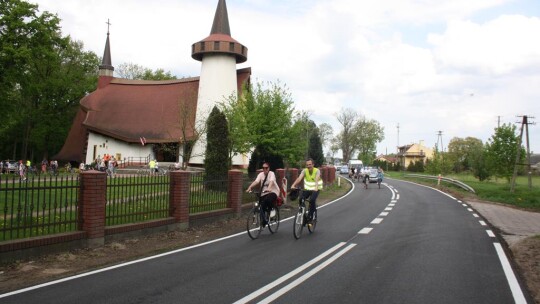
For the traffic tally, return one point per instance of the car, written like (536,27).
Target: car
(373,173)
(10,166)
(344,169)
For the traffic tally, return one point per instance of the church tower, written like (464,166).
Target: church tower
(106,69)
(219,54)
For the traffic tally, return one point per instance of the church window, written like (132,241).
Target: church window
(231,46)
(202,46)
(216,45)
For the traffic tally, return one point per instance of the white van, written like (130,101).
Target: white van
(356,163)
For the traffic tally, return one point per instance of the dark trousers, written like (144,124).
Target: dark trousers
(266,203)
(312,195)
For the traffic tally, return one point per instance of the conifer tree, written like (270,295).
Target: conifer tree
(216,161)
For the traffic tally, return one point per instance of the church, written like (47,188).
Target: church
(130,119)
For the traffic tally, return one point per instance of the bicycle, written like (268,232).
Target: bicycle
(301,218)
(254,219)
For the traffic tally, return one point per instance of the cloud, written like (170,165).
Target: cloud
(498,47)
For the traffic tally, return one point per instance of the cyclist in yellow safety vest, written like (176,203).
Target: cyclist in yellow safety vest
(312,182)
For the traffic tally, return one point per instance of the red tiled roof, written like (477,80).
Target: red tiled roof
(130,109)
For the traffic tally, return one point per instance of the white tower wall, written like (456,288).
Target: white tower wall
(217,82)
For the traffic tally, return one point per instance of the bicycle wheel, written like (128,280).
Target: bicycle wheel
(311,225)
(253,224)
(273,221)
(298,224)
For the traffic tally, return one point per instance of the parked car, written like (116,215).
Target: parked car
(10,166)
(344,169)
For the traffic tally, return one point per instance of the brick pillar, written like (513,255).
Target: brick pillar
(92,202)
(280,174)
(234,194)
(332,174)
(324,175)
(179,197)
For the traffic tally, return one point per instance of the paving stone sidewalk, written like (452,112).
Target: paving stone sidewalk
(514,224)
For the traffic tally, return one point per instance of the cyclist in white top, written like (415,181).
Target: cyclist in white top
(269,189)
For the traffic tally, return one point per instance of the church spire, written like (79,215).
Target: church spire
(221,20)
(106,68)
(220,40)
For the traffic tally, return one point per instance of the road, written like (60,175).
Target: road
(403,243)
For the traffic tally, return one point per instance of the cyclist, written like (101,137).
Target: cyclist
(312,182)
(380,176)
(269,190)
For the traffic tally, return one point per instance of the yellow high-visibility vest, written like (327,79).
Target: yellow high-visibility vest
(309,180)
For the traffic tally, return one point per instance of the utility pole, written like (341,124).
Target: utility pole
(524,125)
(399,157)
(439,138)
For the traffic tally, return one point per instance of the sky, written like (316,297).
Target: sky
(460,67)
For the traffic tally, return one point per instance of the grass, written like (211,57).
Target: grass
(496,190)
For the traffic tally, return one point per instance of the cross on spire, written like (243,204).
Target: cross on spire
(108,25)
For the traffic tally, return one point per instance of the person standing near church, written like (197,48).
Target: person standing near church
(152,166)
(22,170)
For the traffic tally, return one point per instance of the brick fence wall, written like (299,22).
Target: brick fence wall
(92,206)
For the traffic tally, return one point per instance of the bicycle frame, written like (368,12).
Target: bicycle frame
(301,217)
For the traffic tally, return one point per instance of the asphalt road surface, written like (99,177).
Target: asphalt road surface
(403,243)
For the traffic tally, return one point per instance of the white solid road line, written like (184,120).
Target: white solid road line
(291,274)
(519,298)
(306,276)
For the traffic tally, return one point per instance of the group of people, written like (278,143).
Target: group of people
(270,191)
(22,168)
(107,163)
(357,174)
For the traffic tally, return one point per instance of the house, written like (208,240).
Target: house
(387,158)
(408,154)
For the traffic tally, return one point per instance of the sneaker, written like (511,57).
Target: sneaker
(310,225)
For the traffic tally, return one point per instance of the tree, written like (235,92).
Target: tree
(358,134)
(134,71)
(191,129)
(501,151)
(460,150)
(326,133)
(43,75)
(346,139)
(369,133)
(478,159)
(216,162)
(235,109)
(438,164)
(268,116)
(315,148)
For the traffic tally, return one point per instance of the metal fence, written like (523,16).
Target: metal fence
(445,179)
(207,192)
(37,206)
(137,198)
(47,204)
